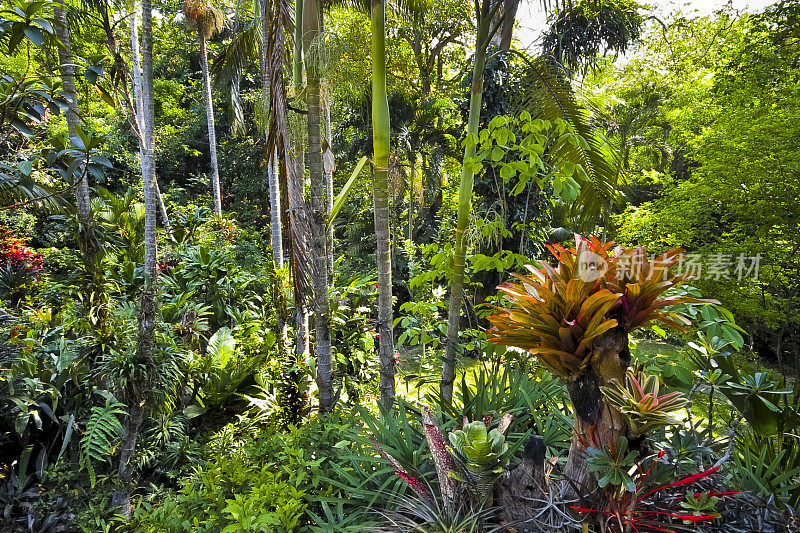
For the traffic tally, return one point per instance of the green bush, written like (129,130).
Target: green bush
(271,481)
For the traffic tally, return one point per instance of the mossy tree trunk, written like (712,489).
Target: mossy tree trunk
(134,392)
(319,235)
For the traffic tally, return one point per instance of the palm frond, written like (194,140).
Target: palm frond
(276,21)
(549,96)
(583,30)
(22,190)
(239,54)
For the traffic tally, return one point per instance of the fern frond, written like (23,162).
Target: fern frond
(102,435)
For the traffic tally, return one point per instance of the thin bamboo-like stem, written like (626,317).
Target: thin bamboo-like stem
(212,135)
(464,206)
(380,194)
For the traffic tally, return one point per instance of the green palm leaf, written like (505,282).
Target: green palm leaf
(549,97)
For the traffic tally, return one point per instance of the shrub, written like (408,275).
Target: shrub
(20,267)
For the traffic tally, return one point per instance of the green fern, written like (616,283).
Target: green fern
(102,433)
(221,347)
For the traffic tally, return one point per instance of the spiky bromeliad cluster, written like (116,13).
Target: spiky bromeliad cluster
(557,312)
(639,401)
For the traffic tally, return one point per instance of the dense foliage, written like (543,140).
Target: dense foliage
(497,289)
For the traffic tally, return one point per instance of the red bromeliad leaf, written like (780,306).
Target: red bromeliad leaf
(413,482)
(585,510)
(684,481)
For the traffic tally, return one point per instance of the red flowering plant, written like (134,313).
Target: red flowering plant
(16,252)
(634,504)
(20,267)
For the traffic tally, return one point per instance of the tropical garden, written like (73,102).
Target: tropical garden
(305,266)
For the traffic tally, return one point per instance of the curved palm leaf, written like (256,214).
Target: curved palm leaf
(549,96)
(22,189)
(239,54)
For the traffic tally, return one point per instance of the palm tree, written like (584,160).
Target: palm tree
(312,43)
(380,194)
(290,186)
(209,21)
(137,111)
(273,186)
(134,391)
(487,26)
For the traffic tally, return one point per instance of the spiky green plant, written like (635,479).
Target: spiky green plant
(484,454)
(637,398)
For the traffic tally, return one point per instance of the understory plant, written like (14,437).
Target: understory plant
(639,401)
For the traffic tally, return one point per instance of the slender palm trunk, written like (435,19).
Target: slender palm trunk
(380,195)
(329,164)
(297,53)
(505,18)
(328,161)
(212,134)
(136,70)
(67,72)
(319,257)
(297,201)
(275,210)
(273,187)
(134,393)
(412,178)
(464,206)
(507,29)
